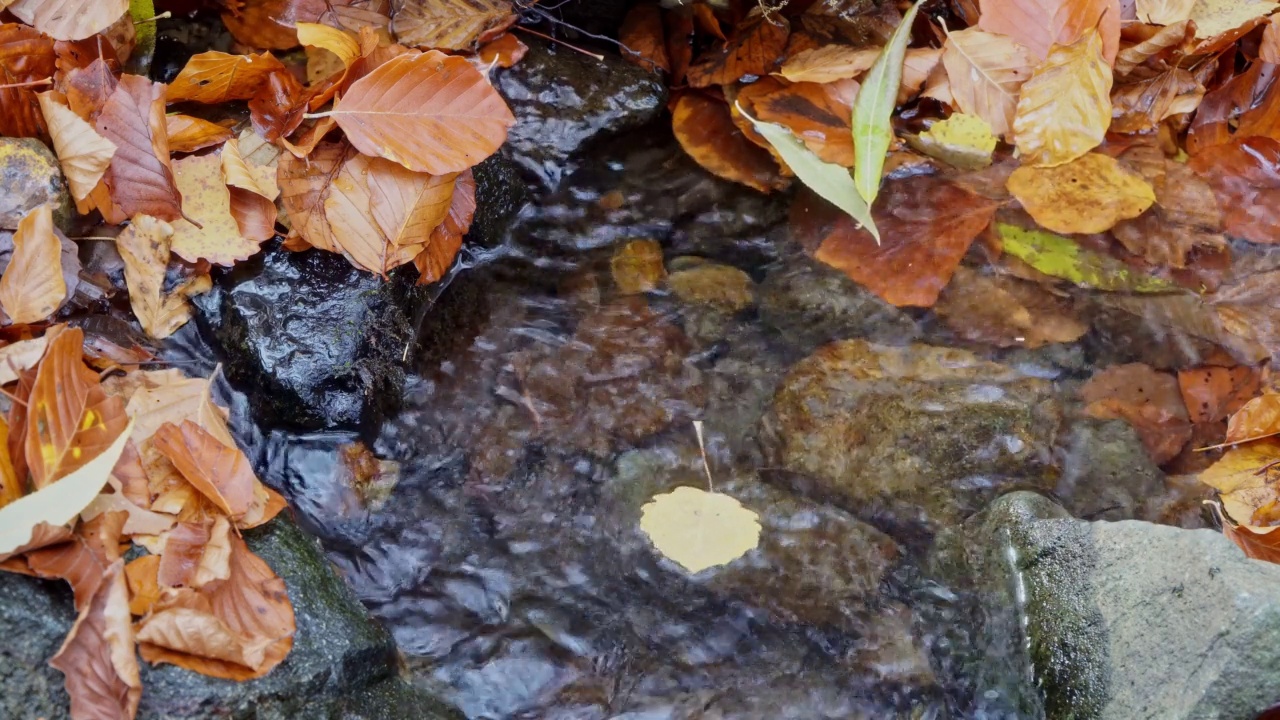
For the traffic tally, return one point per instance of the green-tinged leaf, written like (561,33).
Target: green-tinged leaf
(872,111)
(60,502)
(832,182)
(1063,258)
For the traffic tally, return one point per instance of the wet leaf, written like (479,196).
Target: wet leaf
(1162,42)
(222,473)
(348,208)
(83,154)
(1269,46)
(195,554)
(98,657)
(1148,400)
(26,56)
(1065,107)
(339,42)
(1087,195)
(1063,258)
(206,200)
(437,257)
(32,286)
(270,23)
(1141,106)
(144,589)
(1184,220)
(407,205)
(756,45)
(82,560)
(986,73)
(1257,543)
(705,130)
(69,19)
(139,520)
(140,176)
(252,191)
(1215,17)
(873,109)
(829,62)
(144,247)
(449,24)
(216,77)
(1038,25)
(504,52)
(962,141)
(1245,176)
(926,226)
(637,267)
(643,39)
(819,115)
(430,112)
(87,89)
(699,529)
(1257,418)
(304,184)
(276,109)
(1213,393)
(1245,478)
(1006,312)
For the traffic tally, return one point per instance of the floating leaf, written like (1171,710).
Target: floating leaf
(1148,400)
(69,19)
(758,43)
(1063,258)
(82,152)
(705,129)
(873,109)
(32,286)
(963,141)
(1065,107)
(699,529)
(1087,195)
(449,24)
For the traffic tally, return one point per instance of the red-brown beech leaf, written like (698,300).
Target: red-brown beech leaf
(643,41)
(26,56)
(215,77)
(271,23)
(1245,175)
(1212,393)
(304,185)
(679,26)
(926,225)
(1247,104)
(820,115)
(449,24)
(755,47)
(1041,24)
(1148,400)
(98,655)
(504,52)
(278,106)
(140,176)
(431,113)
(88,88)
(219,472)
(446,239)
(83,560)
(706,131)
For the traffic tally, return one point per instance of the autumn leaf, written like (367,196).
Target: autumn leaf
(81,561)
(276,109)
(206,200)
(270,23)
(829,62)
(21,356)
(26,56)
(88,89)
(144,588)
(169,397)
(960,140)
(222,473)
(820,115)
(69,19)
(679,30)
(1212,393)
(1217,17)
(1163,42)
(926,226)
(449,24)
(699,529)
(706,131)
(1064,258)
(304,185)
(1164,12)
(873,109)
(1004,311)
(1065,107)
(1245,177)
(446,239)
(1148,400)
(98,657)
(986,72)
(1039,25)
(1245,478)
(83,154)
(1257,418)
(643,39)
(1141,106)
(195,554)
(1185,219)
(1269,46)
(10,487)
(144,247)
(637,267)
(252,191)
(32,286)
(503,52)
(216,77)
(140,176)
(407,205)
(755,47)
(348,208)
(430,112)
(138,520)
(1087,195)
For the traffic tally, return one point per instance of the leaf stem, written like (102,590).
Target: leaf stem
(32,83)
(162,16)
(599,58)
(702,448)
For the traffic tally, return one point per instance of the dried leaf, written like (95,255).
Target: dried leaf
(32,286)
(69,19)
(829,62)
(407,205)
(986,72)
(699,529)
(144,588)
(144,247)
(873,109)
(1257,418)
(270,23)
(1164,12)
(705,130)
(1269,46)
(1087,195)
(1245,176)
(206,200)
(1213,393)
(1038,25)
(1148,400)
(140,177)
(449,24)
(1141,106)
(348,208)
(1245,478)
(252,191)
(756,46)
(215,77)
(1006,312)
(1062,257)
(1065,107)
(98,655)
(20,356)
(88,89)
(304,184)
(436,258)
(82,152)
(221,472)
(963,141)
(1162,42)
(339,42)
(26,56)
(139,520)
(430,112)
(82,561)
(643,40)
(820,116)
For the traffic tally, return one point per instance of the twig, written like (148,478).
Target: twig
(13,397)
(32,83)
(702,448)
(599,58)
(162,16)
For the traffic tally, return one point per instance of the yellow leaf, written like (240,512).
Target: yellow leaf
(637,267)
(986,71)
(1214,17)
(206,200)
(1087,195)
(1065,107)
(1246,478)
(1164,12)
(82,152)
(338,42)
(964,141)
(32,287)
(144,247)
(699,529)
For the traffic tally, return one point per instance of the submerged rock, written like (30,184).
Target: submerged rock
(1123,620)
(343,664)
(30,176)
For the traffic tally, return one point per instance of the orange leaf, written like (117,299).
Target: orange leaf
(706,131)
(679,26)
(1257,418)
(1257,543)
(140,176)
(820,115)
(348,208)
(184,551)
(986,73)
(206,199)
(215,77)
(756,47)
(643,40)
(98,655)
(82,562)
(32,286)
(278,106)
(69,19)
(25,56)
(829,62)
(221,473)
(252,191)
(430,112)
(1269,47)
(304,185)
(450,24)
(141,521)
(1148,400)
(10,487)
(926,225)
(1213,393)
(144,247)
(270,23)
(88,89)
(408,205)
(446,239)
(504,52)
(144,589)
(1040,24)
(1245,175)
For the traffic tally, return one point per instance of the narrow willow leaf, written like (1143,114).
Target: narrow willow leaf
(829,180)
(873,109)
(1063,258)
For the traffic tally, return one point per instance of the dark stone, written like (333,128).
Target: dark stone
(1107,473)
(30,176)
(599,17)
(343,664)
(563,100)
(500,193)
(314,342)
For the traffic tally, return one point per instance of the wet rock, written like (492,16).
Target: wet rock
(720,287)
(500,194)
(343,664)
(30,176)
(600,17)
(810,304)
(1107,473)
(924,434)
(563,100)
(1129,619)
(315,343)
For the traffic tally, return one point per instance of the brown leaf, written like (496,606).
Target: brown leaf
(1065,107)
(144,247)
(1269,46)
(1141,106)
(88,89)
(755,48)
(270,23)
(1257,543)
(1161,43)
(144,589)
(184,549)
(504,52)
(1245,176)
(1248,104)
(83,154)
(188,134)
(304,185)
(140,520)
(706,131)
(74,54)
(1038,25)
(140,177)
(407,205)
(206,200)
(98,655)
(348,207)
(253,191)
(32,286)
(926,225)
(820,115)
(449,24)
(129,478)
(215,77)
(829,62)
(446,239)
(1148,400)
(679,30)
(1007,312)
(278,106)
(1212,393)
(222,473)
(643,40)
(986,72)
(70,420)
(1184,220)
(26,56)
(82,561)
(69,19)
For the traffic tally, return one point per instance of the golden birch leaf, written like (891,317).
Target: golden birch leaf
(1065,107)
(986,72)
(699,529)
(32,286)
(82,152)
(206,200)
(144,247)
(1087,195)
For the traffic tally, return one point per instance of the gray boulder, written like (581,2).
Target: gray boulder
(30,176)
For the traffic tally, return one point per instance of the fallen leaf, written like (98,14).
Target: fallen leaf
(1257,543)
(1063,258)
(139,520)
(88,89)
(437,257)
(1143,105)
(407,205)
(637,267)
(1039,25)
(98,657)
(83,154)
(1065,107)
(1257,418)
(1087,195)
(1216,17)
(32,287)
(1162,42)
(20,356)
(206,200)
(873,109)
(679,26)
(140,574)
(705,129)
(819,115)
(140,176)
(1245,478)
(1185,219)
(252,192)
(1269,46)
(348,208)
(449,24)
(1164,12)
(69,19)
(26,56)
(278,106)
(1148,400)
(270,23)
(184,551)
(699,529)
(1245,176)
(169,397)
(81,561)
(960,140)
(430,112)
(1213,393)
(10,487)
(755,47)
(643,40)
(339,42)
(216,77)
(1004,311)
(987,72)
(304,184)
(829,62)
(144,246)
(926,226)
(220,472)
